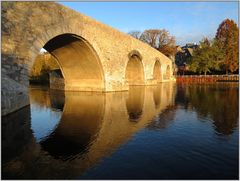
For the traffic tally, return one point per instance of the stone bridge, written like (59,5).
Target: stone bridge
(91,55)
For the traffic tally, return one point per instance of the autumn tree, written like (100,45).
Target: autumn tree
(43,63)
(227,40)
(151,37)
(206,58)
(41,67)
(167,43)
(161,40)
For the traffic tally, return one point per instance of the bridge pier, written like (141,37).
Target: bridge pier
(13,95)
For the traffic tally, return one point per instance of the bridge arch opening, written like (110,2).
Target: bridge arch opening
(157,71)
(78,61)
(134,73)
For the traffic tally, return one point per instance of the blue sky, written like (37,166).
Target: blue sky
(187,21)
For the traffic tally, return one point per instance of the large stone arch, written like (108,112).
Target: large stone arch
(24,37)
(134,71)
(79,62)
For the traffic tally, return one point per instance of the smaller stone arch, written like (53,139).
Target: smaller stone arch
(134,71)
(157,73)
(167,73)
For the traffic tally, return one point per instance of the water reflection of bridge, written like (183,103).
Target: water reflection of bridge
(92,126)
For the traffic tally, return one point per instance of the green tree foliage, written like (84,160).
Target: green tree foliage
(206,58)
(227,38)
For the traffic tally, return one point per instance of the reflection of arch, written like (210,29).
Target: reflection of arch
(79,124)
(134,73)
(157,90)
(168,73)
(78,61)
(157,71)
(134,103)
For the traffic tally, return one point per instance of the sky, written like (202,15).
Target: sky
(189,22)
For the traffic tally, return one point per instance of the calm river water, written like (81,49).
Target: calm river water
(167,131)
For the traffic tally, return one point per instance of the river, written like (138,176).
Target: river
(168,131)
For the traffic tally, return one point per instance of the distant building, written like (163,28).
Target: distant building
(183,54)
(191,45)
